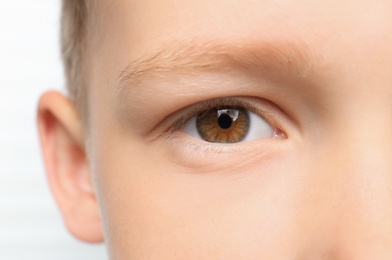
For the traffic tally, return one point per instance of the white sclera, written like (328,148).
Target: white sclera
(258,128)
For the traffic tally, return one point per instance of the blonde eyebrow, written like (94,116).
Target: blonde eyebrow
(191,58)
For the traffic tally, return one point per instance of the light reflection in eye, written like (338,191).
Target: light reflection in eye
(229,124)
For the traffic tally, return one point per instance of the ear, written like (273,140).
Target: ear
(67,166)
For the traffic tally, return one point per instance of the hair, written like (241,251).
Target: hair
(73,37)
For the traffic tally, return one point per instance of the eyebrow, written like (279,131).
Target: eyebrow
(280,58)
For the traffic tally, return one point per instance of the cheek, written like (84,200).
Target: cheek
(153,206)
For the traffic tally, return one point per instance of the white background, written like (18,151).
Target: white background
(30,224)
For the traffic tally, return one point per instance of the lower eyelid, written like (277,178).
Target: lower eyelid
(200,147)
(197,154)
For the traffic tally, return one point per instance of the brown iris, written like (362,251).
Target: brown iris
(223,124)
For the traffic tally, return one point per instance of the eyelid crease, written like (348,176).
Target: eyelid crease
(209,104)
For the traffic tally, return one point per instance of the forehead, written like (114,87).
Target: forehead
(338,33)
(132,30)
(153,22)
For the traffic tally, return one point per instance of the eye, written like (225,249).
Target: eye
(229,124)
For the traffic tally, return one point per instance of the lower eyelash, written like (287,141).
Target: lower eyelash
(202,148)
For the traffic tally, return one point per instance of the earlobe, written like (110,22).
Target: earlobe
(67,166)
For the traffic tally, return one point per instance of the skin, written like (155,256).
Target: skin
(323,191)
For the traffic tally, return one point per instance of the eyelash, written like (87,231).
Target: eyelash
(213,103)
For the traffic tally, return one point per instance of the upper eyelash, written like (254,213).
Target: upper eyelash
(213,103)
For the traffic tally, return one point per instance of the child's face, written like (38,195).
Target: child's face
(313,180)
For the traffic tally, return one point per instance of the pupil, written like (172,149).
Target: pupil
(225,121)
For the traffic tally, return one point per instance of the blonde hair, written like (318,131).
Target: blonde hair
(73,37)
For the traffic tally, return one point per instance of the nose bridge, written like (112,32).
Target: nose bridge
(361,149)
